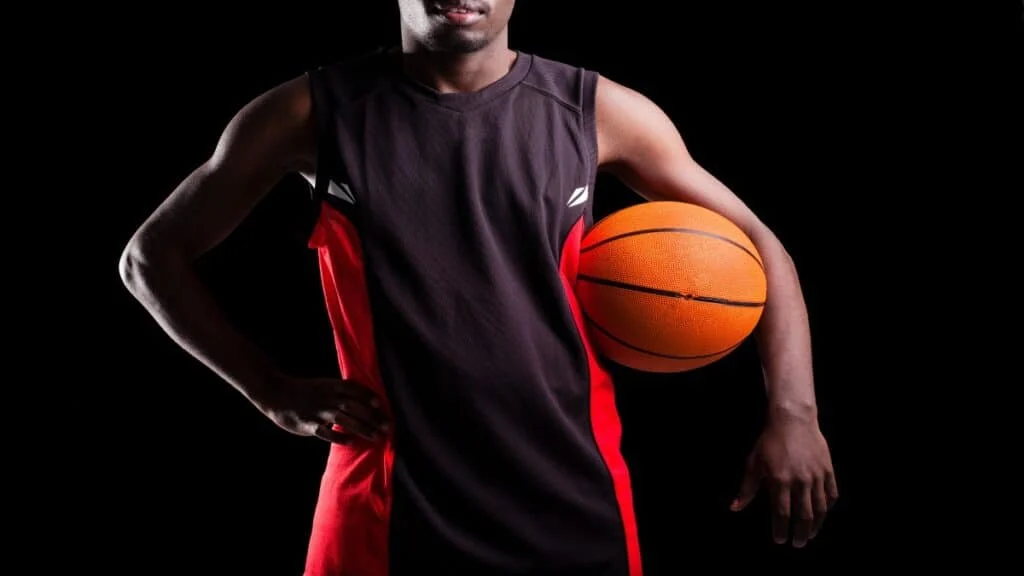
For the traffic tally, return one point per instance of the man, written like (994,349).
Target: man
(473,430)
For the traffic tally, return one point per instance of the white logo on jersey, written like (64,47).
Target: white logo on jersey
(340,191)
(579,196)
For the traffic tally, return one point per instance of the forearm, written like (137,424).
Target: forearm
(783,336)
(172,292)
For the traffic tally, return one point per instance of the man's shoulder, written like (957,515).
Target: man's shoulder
(568,81)
(553,65)
(356,76)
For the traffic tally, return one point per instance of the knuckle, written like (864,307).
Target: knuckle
(783,480)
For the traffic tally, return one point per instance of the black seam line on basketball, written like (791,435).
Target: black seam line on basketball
(649,352)
(681,230)
(668,293)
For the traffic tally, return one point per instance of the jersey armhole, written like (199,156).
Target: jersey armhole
(588,104)
(324,132)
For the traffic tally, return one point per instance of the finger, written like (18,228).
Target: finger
(820,500)
(362,403)
(364,394)
(748,487)
(831,488)
(356,410)
(354,426)
(328,433)
(781,512)
(803,515)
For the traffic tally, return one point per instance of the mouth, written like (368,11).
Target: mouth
(459,13)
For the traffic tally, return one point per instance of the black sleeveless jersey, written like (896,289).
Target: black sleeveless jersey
(448,238)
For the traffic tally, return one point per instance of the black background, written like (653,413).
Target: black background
(814,114)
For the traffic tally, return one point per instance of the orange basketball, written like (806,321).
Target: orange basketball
(669,286)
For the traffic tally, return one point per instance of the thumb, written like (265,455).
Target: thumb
(748,488)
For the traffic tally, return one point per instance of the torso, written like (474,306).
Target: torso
(460,214)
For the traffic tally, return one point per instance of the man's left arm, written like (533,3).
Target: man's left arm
(639,144)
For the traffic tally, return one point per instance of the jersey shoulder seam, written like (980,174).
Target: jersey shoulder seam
(568,105)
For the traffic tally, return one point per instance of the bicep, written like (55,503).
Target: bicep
(640,145)
(268,138)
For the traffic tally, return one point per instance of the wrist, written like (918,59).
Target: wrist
(788,412)
(263,387)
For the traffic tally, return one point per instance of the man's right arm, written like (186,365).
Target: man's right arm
(270,137)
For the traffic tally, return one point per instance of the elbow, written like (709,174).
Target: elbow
(140,263)
(131,266)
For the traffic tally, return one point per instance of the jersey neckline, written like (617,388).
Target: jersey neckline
(464,100)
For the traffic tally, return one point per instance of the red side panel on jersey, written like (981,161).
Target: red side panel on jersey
(603,413)
(350,525)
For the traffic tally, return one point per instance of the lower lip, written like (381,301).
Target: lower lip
(463,18)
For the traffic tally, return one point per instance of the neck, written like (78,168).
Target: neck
(449,72)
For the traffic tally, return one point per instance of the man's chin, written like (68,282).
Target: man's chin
(458,41)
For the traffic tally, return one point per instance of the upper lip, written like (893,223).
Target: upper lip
(444,6)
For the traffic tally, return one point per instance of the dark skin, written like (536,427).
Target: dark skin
(270,137)
(641,146)
(274,135)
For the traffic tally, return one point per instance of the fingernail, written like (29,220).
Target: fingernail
(384,427)
(374,402)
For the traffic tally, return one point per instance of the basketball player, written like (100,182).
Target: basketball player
(473,431)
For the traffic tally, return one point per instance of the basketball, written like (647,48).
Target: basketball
(669,286)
